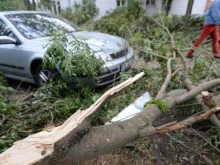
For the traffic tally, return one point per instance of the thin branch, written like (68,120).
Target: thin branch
(187,122)
(156,55)
(2,120)
(28,96)
(163,88)
(205,139)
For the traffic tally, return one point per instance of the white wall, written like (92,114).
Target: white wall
(105,5)
(199,6)
(179,7)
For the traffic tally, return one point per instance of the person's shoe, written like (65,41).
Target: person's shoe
(190,56)
(216,56)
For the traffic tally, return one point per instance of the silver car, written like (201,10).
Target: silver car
(23,36)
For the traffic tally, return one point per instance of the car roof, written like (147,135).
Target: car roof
(22,12)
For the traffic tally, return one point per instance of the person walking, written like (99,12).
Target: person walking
(210,28)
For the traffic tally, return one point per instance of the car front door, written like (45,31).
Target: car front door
(12,61)
(5,62)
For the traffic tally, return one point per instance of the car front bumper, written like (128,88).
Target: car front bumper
(111,73)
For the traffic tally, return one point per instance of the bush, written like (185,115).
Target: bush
(6,5)
(81,13)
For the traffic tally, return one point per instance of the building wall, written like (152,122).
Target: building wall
(108,5)
(179,7)
(199,6)
(105,5)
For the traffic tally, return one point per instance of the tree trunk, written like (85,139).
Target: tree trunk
(28,4)
(189,8)
(168,6)
(33,5)
(66,145)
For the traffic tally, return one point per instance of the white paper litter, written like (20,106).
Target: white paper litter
(132,109)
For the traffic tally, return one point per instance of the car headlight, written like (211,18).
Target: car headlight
(104,56)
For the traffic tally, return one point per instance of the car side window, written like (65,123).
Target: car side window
(5,30)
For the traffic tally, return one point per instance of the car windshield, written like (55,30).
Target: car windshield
(37,25)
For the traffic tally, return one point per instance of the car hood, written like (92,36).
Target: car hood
(96,41)
(100,41)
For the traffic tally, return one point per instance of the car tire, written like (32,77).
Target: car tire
(44,75)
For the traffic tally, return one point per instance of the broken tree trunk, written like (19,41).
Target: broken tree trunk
(90,142)
(48,147)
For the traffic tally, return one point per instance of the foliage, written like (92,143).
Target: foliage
(204,68)
(143,34)
(119,20)
(49,106)
(4,109)
(46,4)
(75,58)
(162,105)
(6,5)
(81,13)
(215,137)
(4,90)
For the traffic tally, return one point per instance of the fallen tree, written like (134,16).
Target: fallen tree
(76,141)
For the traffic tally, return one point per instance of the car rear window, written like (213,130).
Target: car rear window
(38,25)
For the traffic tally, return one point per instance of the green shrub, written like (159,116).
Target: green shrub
(81,13)
(6,5)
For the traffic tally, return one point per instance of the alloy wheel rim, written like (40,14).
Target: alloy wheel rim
(44,76)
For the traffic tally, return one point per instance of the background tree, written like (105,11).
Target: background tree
(81,13)
(168,6)
(45,4)
(6,5)
(189,8)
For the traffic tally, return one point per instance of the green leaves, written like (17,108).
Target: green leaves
(162,105)
(81,13)
(74,57)
(7,5)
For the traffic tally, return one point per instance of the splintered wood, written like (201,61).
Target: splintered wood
(38,147)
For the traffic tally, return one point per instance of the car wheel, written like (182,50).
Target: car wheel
(43,75)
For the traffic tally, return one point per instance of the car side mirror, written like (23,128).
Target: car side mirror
(7,40)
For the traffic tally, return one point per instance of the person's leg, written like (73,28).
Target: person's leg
(215,38)
(207,29)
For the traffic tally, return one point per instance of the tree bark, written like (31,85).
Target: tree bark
(87,142)
(168,6)
(34,5)
(28,4)
(49,147)
(189,8)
